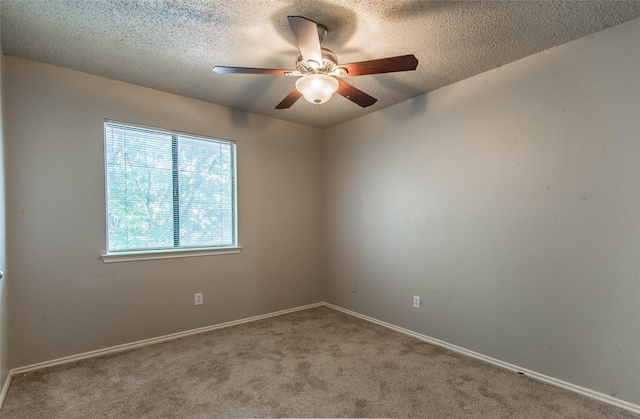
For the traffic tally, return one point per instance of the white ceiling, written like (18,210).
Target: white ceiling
(172,45)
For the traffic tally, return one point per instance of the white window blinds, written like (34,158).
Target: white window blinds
(167,190)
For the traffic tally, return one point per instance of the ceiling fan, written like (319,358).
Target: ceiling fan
(318,69)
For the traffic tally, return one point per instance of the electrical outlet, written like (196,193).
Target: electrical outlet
(199,298)
(416,301)
(354,287)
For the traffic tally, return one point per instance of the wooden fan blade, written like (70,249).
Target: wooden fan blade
(354,94)
(248,70)
(306,33)
(291,98)
(382,65)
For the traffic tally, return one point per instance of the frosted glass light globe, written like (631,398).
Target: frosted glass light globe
(317,88)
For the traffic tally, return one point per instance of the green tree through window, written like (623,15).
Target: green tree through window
(166,190)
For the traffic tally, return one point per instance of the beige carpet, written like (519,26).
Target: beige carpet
(312,363)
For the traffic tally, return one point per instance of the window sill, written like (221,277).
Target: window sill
(167,254)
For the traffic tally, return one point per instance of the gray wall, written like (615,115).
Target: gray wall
(64,300)
(510,203)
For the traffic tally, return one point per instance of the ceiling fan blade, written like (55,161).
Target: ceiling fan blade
(382,65)
(354,94)
(248,70)
(291,98)
(306,33)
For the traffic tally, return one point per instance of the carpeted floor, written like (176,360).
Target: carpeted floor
(313,363)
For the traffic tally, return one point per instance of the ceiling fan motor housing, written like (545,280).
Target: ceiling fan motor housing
(329,64)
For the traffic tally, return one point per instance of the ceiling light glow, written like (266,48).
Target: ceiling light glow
(317,88)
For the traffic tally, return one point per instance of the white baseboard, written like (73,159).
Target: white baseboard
(542,377)
(5,389)
(151,341)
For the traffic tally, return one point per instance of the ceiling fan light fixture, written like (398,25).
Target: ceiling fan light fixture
(317,67)
(317,88)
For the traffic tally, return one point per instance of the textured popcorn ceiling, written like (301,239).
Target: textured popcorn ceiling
(172,45)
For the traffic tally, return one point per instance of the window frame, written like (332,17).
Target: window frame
(176,252)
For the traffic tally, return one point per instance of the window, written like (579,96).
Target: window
(168,191)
